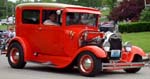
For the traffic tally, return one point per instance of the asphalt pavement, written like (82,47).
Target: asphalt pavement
(37,71)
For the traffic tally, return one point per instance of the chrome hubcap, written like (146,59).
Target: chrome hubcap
(14,55)
(86,64)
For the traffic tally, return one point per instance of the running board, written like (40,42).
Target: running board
(48,63)
(115,66)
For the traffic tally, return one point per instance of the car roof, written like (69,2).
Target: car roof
(54,5)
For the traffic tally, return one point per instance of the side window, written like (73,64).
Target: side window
(50,17)
(31,17)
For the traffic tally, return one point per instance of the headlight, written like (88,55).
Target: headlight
(106,46)
(128,46)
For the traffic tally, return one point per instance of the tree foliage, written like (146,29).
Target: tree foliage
(1,7)
(89,3)
(110,3)
(127,10)
(6,8)
(145,15)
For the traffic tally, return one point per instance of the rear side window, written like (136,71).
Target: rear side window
(31,17)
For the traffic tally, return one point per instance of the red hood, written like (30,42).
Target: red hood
(77,31)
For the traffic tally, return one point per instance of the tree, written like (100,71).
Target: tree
(19,1)
(35,0)
(47,0)
(1,14)
(110,3)
(127,10)
(2,8)
(88,3)
(6,8)
(145,15)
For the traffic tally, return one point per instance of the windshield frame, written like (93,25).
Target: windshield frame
(77,18)
(81,10)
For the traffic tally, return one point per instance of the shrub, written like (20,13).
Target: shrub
(134,27)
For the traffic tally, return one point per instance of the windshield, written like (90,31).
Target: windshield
(81,19)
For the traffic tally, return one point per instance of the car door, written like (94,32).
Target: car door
(51,37)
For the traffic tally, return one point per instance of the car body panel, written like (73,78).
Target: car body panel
(129,56)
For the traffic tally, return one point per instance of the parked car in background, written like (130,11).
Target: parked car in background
(108,26)
(5,22)
(11,19)
(8,21)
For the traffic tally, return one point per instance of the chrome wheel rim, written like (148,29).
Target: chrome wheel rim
(86,64)
(14,55)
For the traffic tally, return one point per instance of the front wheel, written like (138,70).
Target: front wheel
(16,56)
(89,64)
(134,70)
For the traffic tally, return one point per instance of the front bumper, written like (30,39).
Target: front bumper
(123,65)
(116,66)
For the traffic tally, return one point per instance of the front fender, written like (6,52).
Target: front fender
(135,51)
(93,49)
(26,47)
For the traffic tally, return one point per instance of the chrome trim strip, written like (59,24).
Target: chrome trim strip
(114,66)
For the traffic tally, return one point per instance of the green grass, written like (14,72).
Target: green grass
(141,39)
(3,27)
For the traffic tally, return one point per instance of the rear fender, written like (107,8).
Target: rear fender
(135,51)
(97,51)
(26,47)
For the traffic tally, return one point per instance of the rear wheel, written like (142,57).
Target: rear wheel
(16,56)
(89,64)
(134,70)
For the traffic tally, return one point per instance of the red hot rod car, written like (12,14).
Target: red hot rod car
(62,35)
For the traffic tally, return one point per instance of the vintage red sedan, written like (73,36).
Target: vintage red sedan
(71,39)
